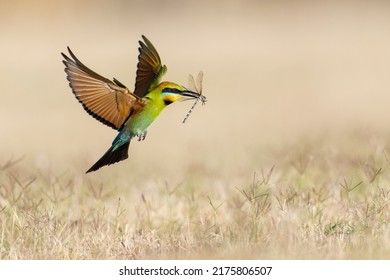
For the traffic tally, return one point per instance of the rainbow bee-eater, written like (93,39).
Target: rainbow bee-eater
(115,105)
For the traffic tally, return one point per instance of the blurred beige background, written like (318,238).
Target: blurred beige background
(273,71)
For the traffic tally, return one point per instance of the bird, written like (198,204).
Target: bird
(113,104)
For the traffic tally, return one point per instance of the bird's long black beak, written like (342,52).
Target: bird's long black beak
(189,94)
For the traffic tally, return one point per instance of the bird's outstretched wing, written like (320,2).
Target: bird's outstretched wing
(107,101)
(149,68)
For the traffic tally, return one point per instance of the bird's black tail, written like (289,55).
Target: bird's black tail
(111,156)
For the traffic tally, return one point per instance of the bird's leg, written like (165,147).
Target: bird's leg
(142,136)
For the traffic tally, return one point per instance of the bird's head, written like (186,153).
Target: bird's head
(172,92)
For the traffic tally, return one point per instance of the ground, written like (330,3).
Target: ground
(316,199)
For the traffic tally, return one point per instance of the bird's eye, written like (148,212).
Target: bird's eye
(171,90)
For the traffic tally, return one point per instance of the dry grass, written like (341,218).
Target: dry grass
(317,199)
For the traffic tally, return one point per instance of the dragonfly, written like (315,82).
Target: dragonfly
(195,87)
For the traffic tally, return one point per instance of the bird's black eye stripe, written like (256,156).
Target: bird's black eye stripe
(172,90)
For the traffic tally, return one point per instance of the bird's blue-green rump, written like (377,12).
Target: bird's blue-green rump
(114,105)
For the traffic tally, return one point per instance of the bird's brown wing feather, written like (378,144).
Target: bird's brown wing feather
(149,68)
(106,101)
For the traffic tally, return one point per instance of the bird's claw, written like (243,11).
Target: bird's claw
(142,136)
